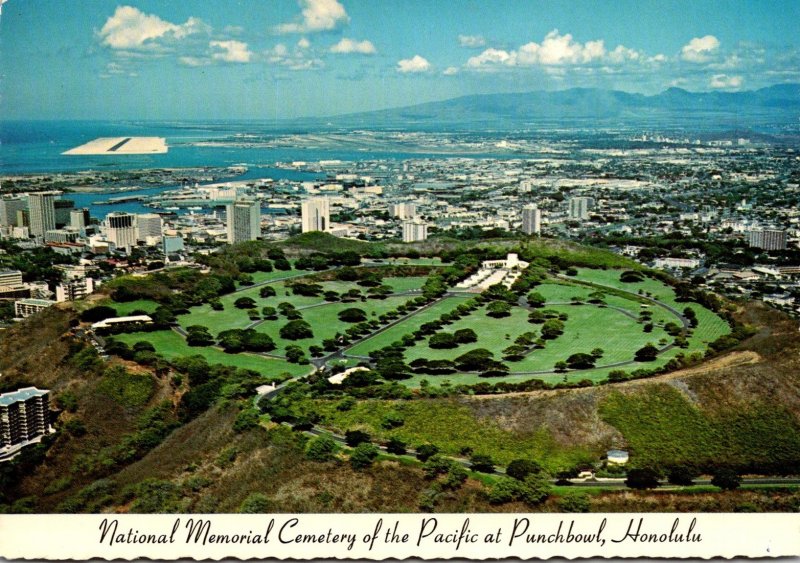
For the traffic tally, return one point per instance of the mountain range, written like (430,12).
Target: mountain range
(675,106)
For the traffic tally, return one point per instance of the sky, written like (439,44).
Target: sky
(274,59)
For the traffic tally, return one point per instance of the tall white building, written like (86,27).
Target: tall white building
(767,239)
(9,205)
(243,221)
(316,214)
(148,225)
(579,207)
(403,210)
(531,219)
(414,231)
(79,218)
(42,212)
(121,230)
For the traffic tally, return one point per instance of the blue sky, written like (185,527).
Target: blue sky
(219,59)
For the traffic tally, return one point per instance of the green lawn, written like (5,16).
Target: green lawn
(407,326)
(124,309)
(261,277)
(325,322)
(171,345)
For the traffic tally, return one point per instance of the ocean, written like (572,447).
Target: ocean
(30,147)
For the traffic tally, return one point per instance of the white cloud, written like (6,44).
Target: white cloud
(317,15)
(557,49)
(450,71)
(471,41)
(725,82)
(230,51)
(132,29)
(414,64)
(351,46)
(700,49)
(297,59)
(194,61)
(492,57)
(622,54)
(303,43)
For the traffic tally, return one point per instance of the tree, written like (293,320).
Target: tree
(574,502)
(352,315)
(726,478)
(295,354)
(296,330)
(552,329)
(536,317)
(245,303)
(503,490)
(99,313)
(198,335)
(269,313)
(498,309)
(482,462)
(355,437)
(363,455)
(267,291)
(536,299)
(646,353)
(465,336)
(681,475)
(581,361)
(597,353)
(396,446)
(474,360)
(535,489)
(521,468)
(642,478)
(425,451)
(321,448)
(442,340)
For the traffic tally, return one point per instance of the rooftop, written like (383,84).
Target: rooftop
(7,399)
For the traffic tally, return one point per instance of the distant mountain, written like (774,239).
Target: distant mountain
(674,106)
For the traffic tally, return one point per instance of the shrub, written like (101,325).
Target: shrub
(363,455)
(574,502)
(482,462)
(503,490)
(396,446)
(726,479)
(355,437)
(521,468)
(442,340)
(425,451)
(642,478)
(256,503)
(321,448)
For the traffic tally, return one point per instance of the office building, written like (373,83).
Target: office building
(243,221)
(148,225)
(42,208)
(171,244)
(24,419)
(121,230)
(79,218)
(63,208)
(767,239)
(60,235)
(414,231)
(24,219)
(9,206)
(74,289)
(10,278)
(316,214)
(579,207)
(403,210)
(531,220)
(27,307)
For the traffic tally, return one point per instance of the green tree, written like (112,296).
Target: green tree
(296,330)
(355,437)
(642,478)
(726,478)
(482,462)
(321,449)
(498,309)
(256,503)
(363,455)
(396,446)
(521,468)
(646,353)
(245,303)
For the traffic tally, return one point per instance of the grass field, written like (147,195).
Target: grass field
(451,427)
(124,309)
(408,326)
(171,345)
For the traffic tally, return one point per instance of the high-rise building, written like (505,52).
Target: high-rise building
(579,207)
(23,218)
(60,235)
(79,218)
(9,206)
(243,221)
(148,225)
(531,219)
(403,210)
(414,231)
(10,278)
(24,418)
(316,214)
(121,230)
(63,208)
(27,307)
(767,239)
(42,212)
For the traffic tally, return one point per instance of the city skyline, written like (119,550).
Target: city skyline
(156,60)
